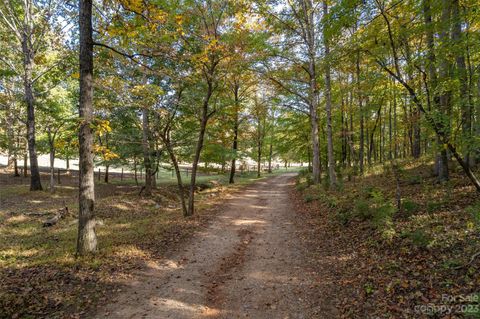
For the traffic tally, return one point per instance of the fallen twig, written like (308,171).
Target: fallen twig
(53,220)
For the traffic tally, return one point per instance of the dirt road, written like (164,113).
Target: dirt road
(246,264)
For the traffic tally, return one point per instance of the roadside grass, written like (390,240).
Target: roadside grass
(41,276)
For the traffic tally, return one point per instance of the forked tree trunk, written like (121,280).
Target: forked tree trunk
(87,238)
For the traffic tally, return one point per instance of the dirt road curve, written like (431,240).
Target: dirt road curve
(246,264)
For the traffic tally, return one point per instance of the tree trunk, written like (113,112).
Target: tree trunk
(259,159)
(313,88)
(445,98)
(35,183)
(466,108)
(87,239)
(25,159)
(328,106)
(146,153)
(235,136)
(198,149)
(15,167)
(135,170)
(270,154)
(106,178)
(361,152)
(51,144)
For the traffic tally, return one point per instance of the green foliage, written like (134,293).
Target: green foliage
(414,180)
(474,211)
(419,238)
(310,198)
(362,209)
(343,216)
(369,288)
(409,206)
(433,206)
(301,187)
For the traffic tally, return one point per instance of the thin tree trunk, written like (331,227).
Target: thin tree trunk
(135,170)
(87,239)
(313,88)
(270,154)
(35,183)
(15,167)
(235,136)
(198,149)
(361,152)
(465,106)
(445,98)
(107,175)
(146,153)
(259,158)
(51,144)
(25,167)
(328,106)
(173,158)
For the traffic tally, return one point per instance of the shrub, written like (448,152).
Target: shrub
(310,198)
(409,206)
(414,180)
(343,217)
(301,187)
(433,206)
(474,211)
(382,215)
(362,209)
(419,238)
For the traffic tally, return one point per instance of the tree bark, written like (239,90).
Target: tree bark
(270,155)
(328,104)
(236,125)
(466,108)
(178,174)
(51,145)
(107,175)
(28,55)
(361,152)
(87,239)
(146,152)
(198,149)
(445,98)
(135,170)
(313,92)
(259,158)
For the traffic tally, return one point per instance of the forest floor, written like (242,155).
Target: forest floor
(41,278)
(276,248)
(375,261)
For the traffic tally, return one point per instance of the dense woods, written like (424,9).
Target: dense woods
(345,89)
